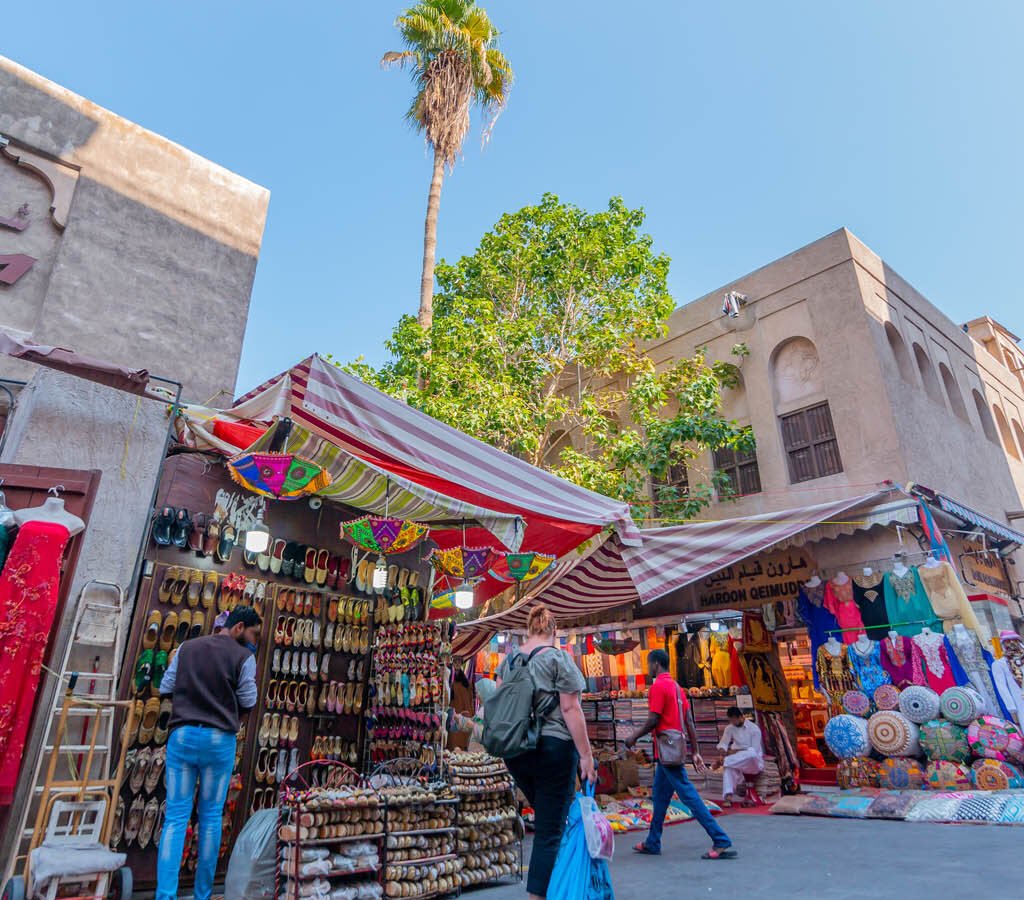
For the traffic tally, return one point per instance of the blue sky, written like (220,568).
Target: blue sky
(745,129)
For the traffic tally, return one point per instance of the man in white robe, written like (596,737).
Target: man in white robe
(745,752)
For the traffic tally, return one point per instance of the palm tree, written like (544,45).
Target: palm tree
(450,49)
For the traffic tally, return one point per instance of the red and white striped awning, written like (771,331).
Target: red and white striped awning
(669,559)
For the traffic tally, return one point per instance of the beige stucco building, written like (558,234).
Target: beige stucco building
(910,394)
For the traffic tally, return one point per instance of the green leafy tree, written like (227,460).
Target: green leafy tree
(450,47)
(538,347)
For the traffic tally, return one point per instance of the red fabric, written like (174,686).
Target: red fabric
(662,700)
(738,678)
(28,604)
(240,435)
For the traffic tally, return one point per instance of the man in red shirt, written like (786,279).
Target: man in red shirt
(668,704)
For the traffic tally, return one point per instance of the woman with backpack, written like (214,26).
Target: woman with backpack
(546,774)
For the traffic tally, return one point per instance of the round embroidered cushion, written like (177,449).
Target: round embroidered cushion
(995,775)
(900,773)
(887,696)
(856,703)
(847,736)
(961,705)
(945,740)
(857,772)
(892,734)
(995,738)
(943,775)
(919,704)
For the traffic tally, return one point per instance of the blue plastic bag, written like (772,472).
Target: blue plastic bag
(576,876)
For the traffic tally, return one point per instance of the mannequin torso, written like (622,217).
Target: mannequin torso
(52,510)
(899,570)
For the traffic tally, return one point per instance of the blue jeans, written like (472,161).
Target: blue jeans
(207,756)
(669,780)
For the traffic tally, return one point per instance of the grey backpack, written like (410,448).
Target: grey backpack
(513,716)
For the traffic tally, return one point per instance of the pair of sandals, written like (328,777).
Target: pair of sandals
(348,639)
(341,698)
(278,730)
(273,766)
(713,853)
(292,632)
(144,768)
(141,826)
(175,527)
(334,749)
(291,696)
(348,610)
(192,587)
(149,722)
(302,603)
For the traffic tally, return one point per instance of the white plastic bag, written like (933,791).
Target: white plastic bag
(252,868)
(596,827)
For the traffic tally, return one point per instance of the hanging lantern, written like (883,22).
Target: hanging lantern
(383,535)
(462,563)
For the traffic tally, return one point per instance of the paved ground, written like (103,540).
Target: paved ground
(828,859)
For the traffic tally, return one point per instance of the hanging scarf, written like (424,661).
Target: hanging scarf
(1014,653)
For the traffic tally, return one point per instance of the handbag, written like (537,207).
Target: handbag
(672,743)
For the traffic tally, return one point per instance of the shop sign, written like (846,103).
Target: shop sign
(768,578)
(982,567)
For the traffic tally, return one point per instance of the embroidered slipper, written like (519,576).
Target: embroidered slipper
(147,727)
(209,595)
(263,559)
(169,631)
(226,545)
(248,556)
(160,661)
(288,558)
(361,584)
(333,565)
(117,830)
(134,823)
(277,556)
(156,770)
(720,853)
(197,537)
(144,671)
(309,572)
(171,576)
(198,625)
(195,587)
(212,539)
(184,628)
(152,635)
(161,731)
(180,587)
(182,529)
(162,524)
(320,572)
(259,598)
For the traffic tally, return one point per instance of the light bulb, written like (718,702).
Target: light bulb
(464,596)
(715,626)
(380,574)
(257,538)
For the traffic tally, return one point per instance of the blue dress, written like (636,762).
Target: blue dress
(868,668)
(819,621)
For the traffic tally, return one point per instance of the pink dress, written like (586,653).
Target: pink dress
(931,663)
(897,660)
(839,601)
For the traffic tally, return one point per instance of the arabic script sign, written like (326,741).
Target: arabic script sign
(983,568)
(762,579)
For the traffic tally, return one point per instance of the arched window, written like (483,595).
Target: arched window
(924,366)
(1004,432)
(1018,432)
(956,400)
(899,351)
(987,424)
(796,374)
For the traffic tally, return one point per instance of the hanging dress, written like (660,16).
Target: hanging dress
(868,668)
(29,587)
(819,621)
(721,665)
(971,656)
(907,604)
(897,661)
(948,599)
(835,676)
(870,599)
(839,601)
(932,664)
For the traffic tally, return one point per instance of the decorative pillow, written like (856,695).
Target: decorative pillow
(817,805)
(919,704)
(790,806)
(1012,812)
(980,808)
(858,772)
(847,736)
(893,734)
(938,808)
(961,705)
(995,739)
(995,775)
(945,740)
(856,703)
(887,696)
(901,773)
(943,775)
(894,805)
(851,806)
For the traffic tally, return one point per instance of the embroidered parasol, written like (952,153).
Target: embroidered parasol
(520,566)
(463,563)
(283,476)
(382,534)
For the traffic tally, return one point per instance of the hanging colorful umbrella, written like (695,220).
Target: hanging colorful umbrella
(522,567)
(380,534)
(283,476)
(461,562)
